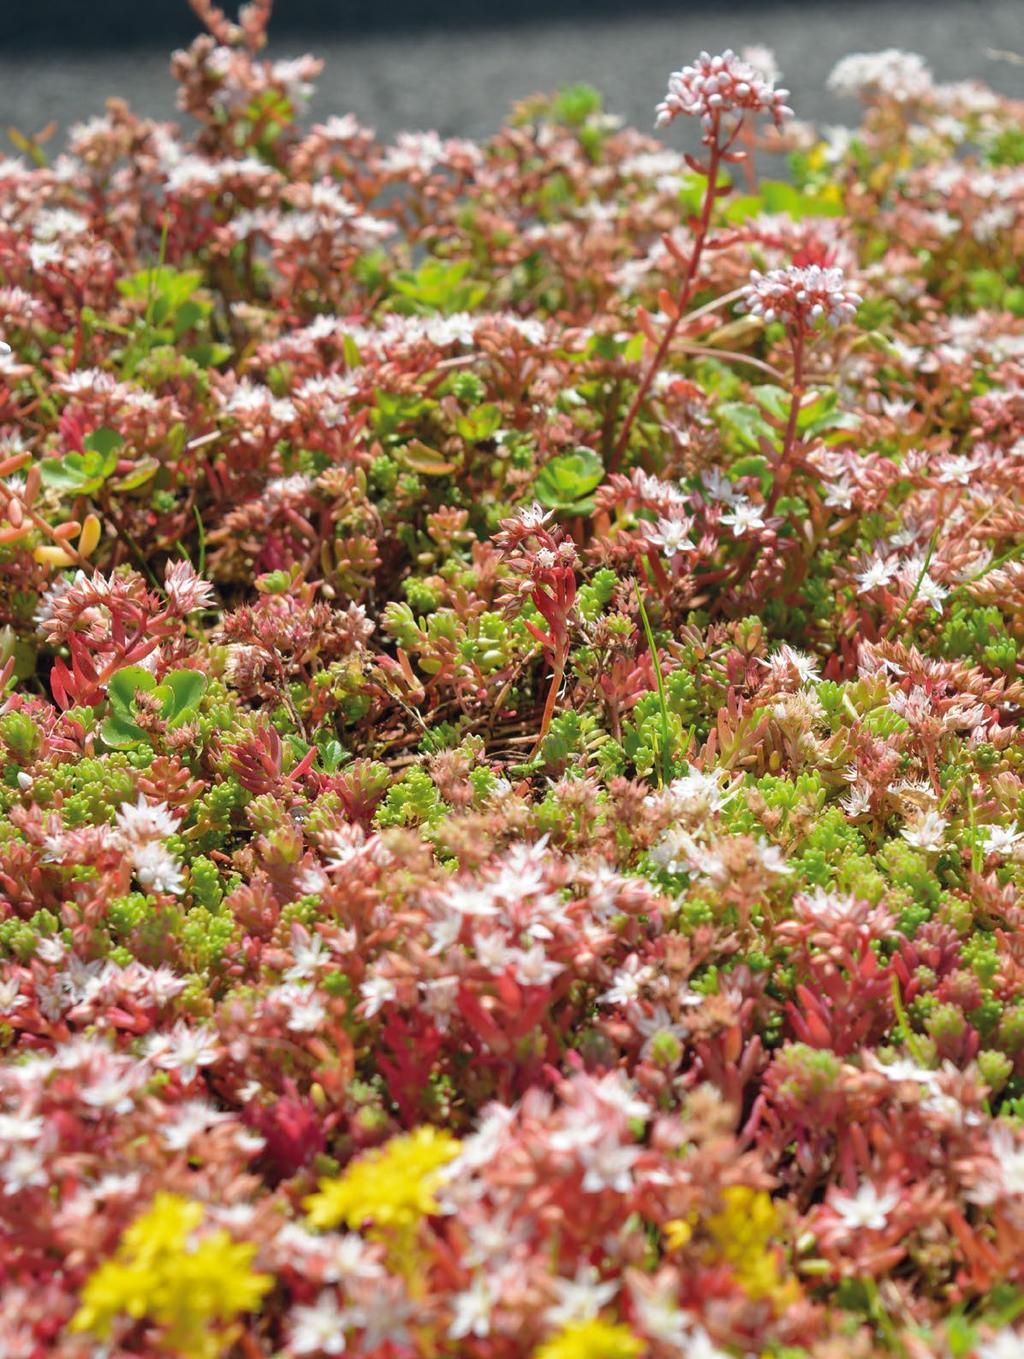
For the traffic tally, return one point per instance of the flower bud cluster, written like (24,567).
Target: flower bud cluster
(801,296)
(716,87)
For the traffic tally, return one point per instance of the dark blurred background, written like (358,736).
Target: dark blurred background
(458,65)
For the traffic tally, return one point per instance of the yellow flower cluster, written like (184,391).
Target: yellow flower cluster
(393,1187)
(677,1233)
(184,1284)
(594,1339)
(743,1231)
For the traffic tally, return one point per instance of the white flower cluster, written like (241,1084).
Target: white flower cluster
(186,591)
(890,74)
(139,833)
(802,296)
(717,87)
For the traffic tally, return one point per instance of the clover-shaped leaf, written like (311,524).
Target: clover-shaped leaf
(185,689)
(84,473)
(565,483)
(180,694)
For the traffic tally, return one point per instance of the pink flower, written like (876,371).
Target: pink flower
(744,517)
(186,591)
(801,296)
(717,87)
(671,535)
(183,1050)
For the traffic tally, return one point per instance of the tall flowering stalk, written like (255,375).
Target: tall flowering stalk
(723,92)
(802,299)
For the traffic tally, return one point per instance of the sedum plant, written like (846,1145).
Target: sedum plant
(511,767)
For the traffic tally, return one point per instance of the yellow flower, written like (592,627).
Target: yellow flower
(181,1284)
(219,1280)
(677,1233)
(393,1187)
(743,1230)
(111,1289)
(594,1339)
(163,1229)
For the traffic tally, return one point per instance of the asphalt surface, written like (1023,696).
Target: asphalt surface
(463,82)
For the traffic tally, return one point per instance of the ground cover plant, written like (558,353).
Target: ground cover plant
(513,807)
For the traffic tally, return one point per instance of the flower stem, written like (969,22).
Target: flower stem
(659,680)
(781,477)
(685,293)
(549,707)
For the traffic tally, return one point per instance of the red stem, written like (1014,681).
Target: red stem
(549,706)
(685,293)
(782,476)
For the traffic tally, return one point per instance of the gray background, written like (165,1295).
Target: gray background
(463,81)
